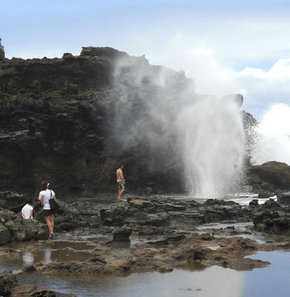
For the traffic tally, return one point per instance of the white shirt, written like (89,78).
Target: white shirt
(26,210)
(46,195)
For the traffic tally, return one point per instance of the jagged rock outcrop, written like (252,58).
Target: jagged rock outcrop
(14,228)
(271,176)
(58,121)
(7,282)
(284,198)
(72,120)
(2,52)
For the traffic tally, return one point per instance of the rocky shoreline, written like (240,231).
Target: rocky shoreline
(64,120)
(153,233)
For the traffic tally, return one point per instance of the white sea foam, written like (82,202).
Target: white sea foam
(273,136)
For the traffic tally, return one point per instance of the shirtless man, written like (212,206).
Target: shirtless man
(120,181)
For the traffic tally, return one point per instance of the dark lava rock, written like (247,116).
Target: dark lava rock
(284,198)
(14,228)
(270,175)
(265,194)
(5,235)
(254,203)
(69,119)
(12,201)
(121,237)
(67,217)
(122,234)
(50,293)
(7,281)
(273,221)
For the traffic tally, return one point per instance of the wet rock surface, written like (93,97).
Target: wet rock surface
(156,233)
(284,198)
(270,177)
(59,121)
(7,282)
(14,228)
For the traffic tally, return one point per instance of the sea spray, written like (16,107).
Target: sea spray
(159,112)
(272,141)
(211,136)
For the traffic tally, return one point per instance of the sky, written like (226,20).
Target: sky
(226,46)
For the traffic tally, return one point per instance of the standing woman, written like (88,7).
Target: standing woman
(44,196)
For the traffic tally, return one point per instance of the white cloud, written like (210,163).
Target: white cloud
(264,88)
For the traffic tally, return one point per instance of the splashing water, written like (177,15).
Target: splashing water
(212,140)
(157,108)
(273,136)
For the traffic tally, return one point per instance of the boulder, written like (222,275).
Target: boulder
(254,203)
(14,228)
(34,230)
(265,194)
(273,221)
(284,198)
(5,235)
(271,175)
(7,282)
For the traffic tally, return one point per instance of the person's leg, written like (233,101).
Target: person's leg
(121,193)
(52,223)
(48,223)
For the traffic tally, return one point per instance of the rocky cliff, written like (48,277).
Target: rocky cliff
(57,121)
(73,119)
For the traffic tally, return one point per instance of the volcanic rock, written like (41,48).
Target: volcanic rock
(284,198)
(50,293)
(14,228)
(270,176)
(7,282)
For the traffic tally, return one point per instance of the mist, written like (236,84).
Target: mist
(158,110)
(272,141)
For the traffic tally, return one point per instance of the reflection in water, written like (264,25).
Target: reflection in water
(271,281)
(28,259)
(47,256)
(211,282)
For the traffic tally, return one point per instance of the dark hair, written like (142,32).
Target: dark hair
(29,201)
(44,184)
(121,165)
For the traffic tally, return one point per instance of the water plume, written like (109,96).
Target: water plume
(159,109)
(212,141)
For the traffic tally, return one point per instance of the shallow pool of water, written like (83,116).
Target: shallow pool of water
(271,281)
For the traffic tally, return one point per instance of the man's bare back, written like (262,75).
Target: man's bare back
(119,174)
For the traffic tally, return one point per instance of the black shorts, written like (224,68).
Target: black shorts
(47,212)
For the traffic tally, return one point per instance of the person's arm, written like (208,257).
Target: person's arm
(31,213)
(40,199)
(122,176)
(23,217)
